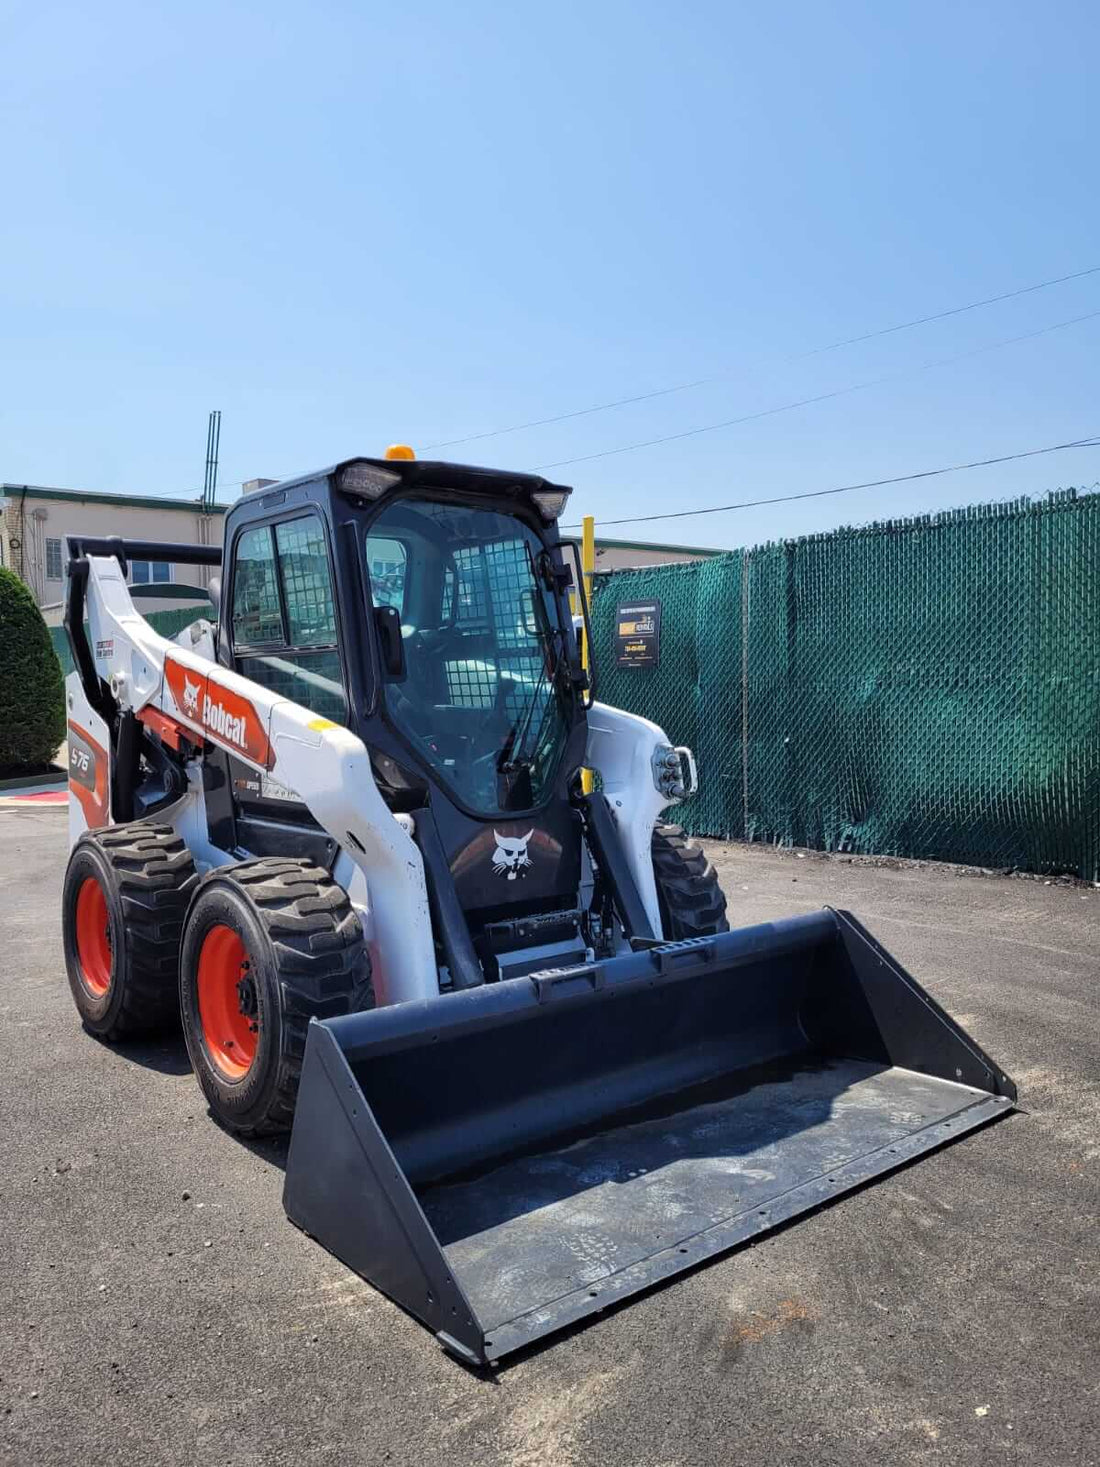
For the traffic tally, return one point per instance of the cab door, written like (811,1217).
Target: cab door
(283,633)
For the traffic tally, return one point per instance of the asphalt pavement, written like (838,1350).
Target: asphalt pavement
(156,1306)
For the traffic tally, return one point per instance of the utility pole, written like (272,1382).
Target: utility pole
(213,441)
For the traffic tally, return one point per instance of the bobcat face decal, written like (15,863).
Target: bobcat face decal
(510,859)
(190,697)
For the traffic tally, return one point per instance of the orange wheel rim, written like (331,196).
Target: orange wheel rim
(227,1002)
(93,937)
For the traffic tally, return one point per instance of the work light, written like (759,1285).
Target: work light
(365,480)
(550,502)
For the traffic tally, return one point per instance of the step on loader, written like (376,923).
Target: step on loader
(339,831)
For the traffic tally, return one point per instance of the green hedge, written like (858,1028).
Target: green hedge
(32,695)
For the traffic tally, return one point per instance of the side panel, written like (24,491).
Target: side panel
(620,748)
(89,763)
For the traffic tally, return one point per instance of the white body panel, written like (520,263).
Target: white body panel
(326,765)
(621,747)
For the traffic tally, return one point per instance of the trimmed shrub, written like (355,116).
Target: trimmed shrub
(32,694)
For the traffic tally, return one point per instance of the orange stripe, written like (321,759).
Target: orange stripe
(171,732)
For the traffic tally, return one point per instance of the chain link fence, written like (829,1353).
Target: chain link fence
(926,687)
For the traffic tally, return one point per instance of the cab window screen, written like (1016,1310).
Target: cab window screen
(483,698)
(313,679)
(257,617)
(307,583)
(283,603)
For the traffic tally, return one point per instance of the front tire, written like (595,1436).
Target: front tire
(691,901)
(268,945)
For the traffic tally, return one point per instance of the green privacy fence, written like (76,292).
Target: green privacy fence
(926,687)
(167,623)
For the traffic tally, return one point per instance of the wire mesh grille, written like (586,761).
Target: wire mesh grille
(487,592)
(313,679)
(307,582)
(256,614)
(926,687)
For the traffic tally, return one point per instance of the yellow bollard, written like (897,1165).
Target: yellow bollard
(588,566)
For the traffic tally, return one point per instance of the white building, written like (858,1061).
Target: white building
(625,554)
(34,522)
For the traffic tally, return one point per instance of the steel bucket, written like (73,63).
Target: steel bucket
(506,1160)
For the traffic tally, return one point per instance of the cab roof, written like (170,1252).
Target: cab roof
(434,473)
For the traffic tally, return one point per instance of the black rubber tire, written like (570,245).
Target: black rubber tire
(691,901)
(147,877)
(308,959)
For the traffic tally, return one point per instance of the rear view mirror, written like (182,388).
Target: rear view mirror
(387,621)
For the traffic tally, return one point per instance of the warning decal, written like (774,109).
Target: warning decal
(638,634)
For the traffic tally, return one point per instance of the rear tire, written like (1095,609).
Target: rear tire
(123,903)
(691,901)
(267,945)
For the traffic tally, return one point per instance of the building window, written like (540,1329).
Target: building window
(150,572)
(53,560)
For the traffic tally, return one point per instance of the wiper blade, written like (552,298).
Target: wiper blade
(509,757)
(554,647)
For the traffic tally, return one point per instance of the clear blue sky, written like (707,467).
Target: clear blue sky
(349,224)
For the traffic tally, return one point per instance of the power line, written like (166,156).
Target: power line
(784,407)
(787,407)
(955,311)
(804,402)
(1093,441)
(603,407)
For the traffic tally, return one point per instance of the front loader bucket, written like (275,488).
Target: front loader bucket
(506,1160)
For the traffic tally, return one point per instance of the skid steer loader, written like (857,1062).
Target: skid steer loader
(339,831)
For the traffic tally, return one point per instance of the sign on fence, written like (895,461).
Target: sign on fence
(638,634)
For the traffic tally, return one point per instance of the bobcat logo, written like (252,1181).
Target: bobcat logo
(190,697)
(510,857)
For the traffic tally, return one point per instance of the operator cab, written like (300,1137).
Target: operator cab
(426,606)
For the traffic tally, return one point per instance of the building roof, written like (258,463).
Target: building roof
(648,545)
(94,496)
(194,506)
